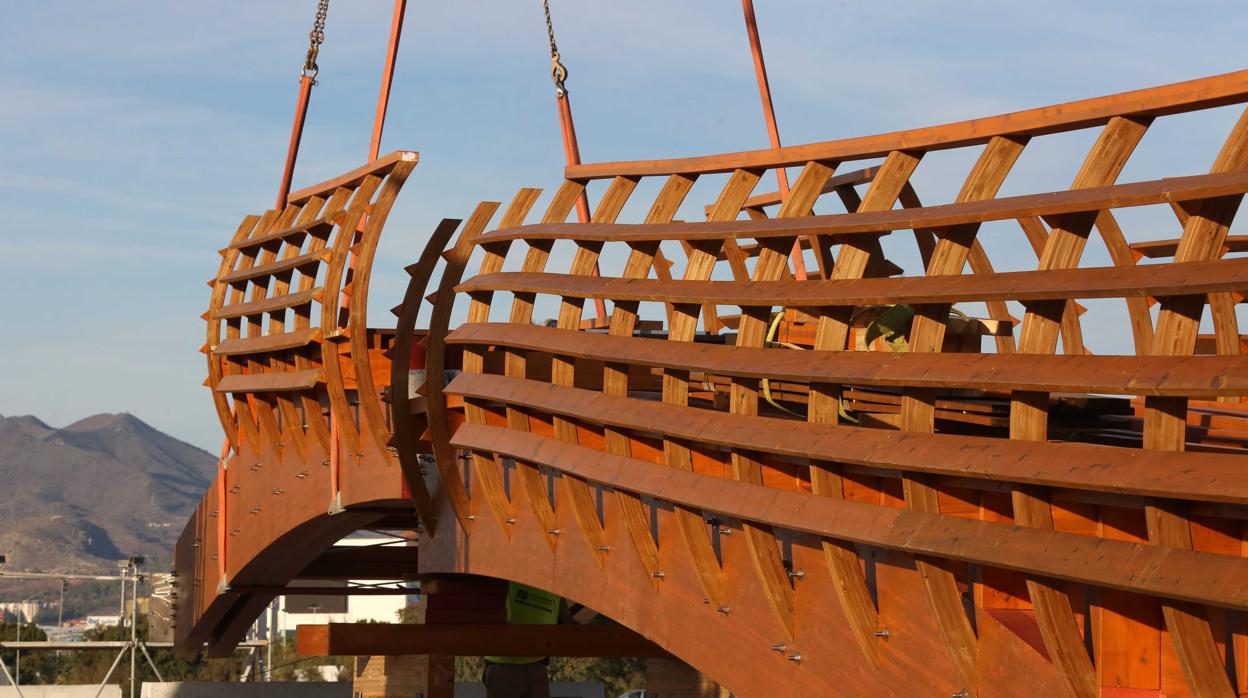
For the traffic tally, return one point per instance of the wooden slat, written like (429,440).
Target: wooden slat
(267,343)
(1192,95)
(1187,575)
(1195,376)
(268,305)
(835,182)
(284,233)
(1155,249)
(1157,191)
(563,640)
(270,382)
(276,267)
(1193,278)
(1199,476)
(380,167)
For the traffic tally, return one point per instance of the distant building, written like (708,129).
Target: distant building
(293,611)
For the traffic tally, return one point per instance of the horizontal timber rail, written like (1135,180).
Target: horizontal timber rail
(1199,476)
(1193,278)
(1188,575)
(1171,190)
(1205,376)
(1193,95)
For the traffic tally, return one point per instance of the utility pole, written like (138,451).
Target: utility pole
(60,612)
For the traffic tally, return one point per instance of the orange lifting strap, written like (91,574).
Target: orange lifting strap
(769,115)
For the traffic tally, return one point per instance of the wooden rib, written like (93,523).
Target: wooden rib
(1120,253)
(435,366)
(640,261)
(363,253)
(266,406)
(1187,575)
(772,264)
(918,409)
(1049,204)
(1178,323)
(1190,278)
(314,417)
(530,479)
(1029,412)
(331,351)
(563,370)
(215,370)
(1193,95)
(401,416)
(379,168)
(682,328)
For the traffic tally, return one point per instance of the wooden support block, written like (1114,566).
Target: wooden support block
(359,639)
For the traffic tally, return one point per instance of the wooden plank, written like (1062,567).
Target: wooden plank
(277,267)
(379,167)
(1161,249)
(1186,575)
(1200,476)
(268,305)
(270,382)
(1195,376)
(284,233)
(1192,95)
(563,640)
(1193,278)
(268,342)
(1058,203)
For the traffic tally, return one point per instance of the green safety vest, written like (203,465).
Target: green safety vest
(528,606)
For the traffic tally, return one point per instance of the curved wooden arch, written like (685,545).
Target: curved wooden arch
(758,491)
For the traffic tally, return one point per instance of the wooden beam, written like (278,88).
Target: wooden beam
(368,639)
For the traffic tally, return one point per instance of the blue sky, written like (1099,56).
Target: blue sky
(134,135)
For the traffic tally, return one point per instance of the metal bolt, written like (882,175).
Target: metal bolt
(325,462)
(881,634)
(961,694)
(658,574)
(470,517)
(255,466)
(724,531)
(279,491)
(235,489)
(604,548)
(798,574)
(301,475)
(553,531)
(723,610)
(778,647)
(511,519)
(796,657)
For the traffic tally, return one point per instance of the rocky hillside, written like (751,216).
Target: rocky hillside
(98,490)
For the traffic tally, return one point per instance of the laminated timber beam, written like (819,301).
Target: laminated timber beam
(564,640)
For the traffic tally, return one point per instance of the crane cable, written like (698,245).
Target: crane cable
(571,150)
(307,80)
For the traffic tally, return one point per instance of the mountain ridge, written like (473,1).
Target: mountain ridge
(103,488)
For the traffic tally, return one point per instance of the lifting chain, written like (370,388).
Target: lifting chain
(558,72)
(316,37)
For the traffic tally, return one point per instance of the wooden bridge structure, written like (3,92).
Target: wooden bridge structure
(837,485)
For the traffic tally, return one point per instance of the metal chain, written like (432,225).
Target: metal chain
(558,72)
(316,37)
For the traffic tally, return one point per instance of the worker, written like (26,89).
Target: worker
(523,677)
